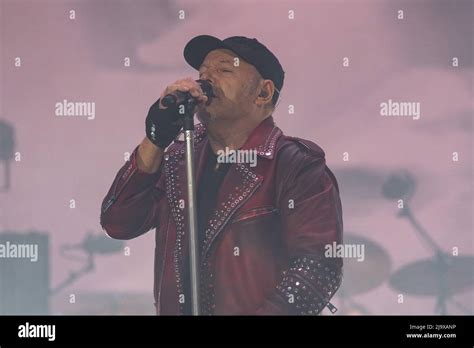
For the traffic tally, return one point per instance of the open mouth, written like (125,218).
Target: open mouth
(209,100)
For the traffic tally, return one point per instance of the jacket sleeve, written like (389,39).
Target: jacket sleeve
(311,217)
(130,207)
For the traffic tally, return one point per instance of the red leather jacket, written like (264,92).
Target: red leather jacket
(264,251)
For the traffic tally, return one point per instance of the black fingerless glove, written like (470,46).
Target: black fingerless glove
(162,125)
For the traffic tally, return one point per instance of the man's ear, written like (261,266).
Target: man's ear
(266,92)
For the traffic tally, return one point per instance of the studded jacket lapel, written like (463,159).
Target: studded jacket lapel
(240,182)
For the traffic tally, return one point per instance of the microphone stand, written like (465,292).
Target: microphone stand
(440,258)
(188,128)
(74,275)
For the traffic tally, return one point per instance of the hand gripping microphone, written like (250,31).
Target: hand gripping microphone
(183,97)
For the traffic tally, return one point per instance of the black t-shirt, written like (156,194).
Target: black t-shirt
(208,188)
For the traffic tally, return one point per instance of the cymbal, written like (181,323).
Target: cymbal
(422,278)
(362,276)
(360,183)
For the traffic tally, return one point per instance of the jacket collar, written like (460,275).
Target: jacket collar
(263,138)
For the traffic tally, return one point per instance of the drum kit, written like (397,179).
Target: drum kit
(442,276)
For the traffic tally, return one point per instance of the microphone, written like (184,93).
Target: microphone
(184,97)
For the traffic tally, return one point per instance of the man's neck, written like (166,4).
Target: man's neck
(232,135)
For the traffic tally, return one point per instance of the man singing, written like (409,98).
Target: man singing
(263,227)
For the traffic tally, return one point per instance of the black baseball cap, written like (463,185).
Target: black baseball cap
(250,50)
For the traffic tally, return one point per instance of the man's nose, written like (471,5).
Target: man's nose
(207,76)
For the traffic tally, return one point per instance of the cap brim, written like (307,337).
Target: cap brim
(197,49)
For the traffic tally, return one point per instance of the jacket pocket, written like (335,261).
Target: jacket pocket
(256,212)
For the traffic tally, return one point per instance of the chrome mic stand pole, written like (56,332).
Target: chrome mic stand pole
(192,212)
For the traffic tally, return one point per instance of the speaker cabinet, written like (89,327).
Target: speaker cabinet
(24,273)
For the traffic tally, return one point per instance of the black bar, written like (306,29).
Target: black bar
(139,330)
